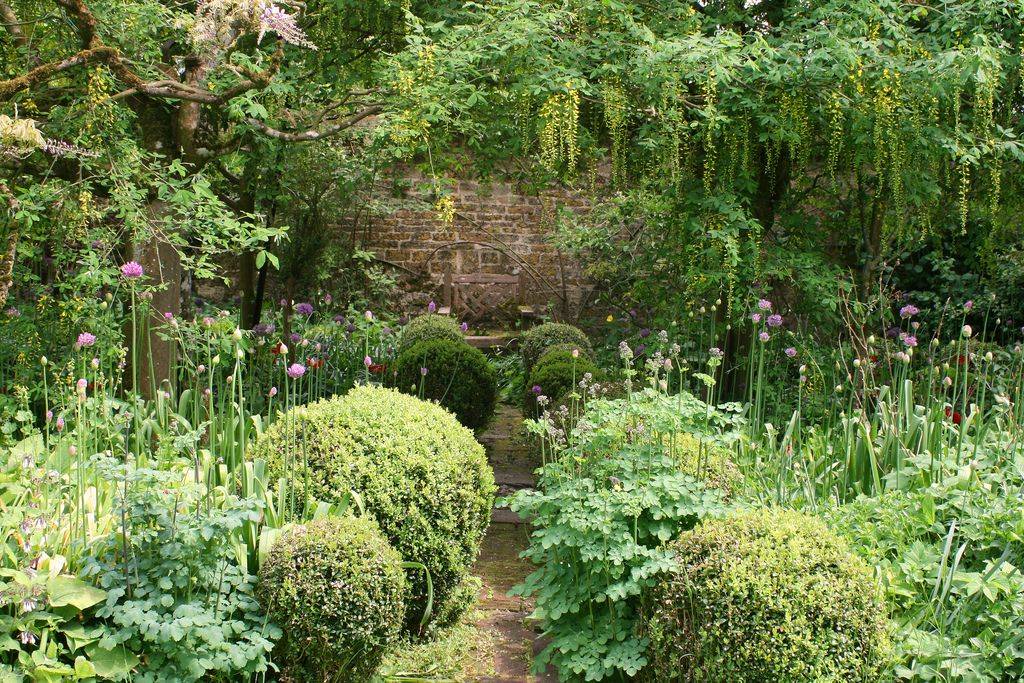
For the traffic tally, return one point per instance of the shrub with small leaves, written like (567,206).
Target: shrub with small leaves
(452,373)
(763,596)
(538,339)
(336,588)
(558,374)
(428,328)
(416,470)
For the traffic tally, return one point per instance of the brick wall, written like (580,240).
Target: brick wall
(498,228)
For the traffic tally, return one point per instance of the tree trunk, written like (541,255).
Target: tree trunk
(162,266)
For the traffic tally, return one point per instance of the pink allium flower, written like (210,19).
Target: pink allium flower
(764,336)
(791,352)
(85,339)
(910,340)
(82,384)
(60,423)
(969,304)
(431,307)
(131,270)
(764,304)
(296,370)
(168,316)
(273,392)
(908,311)
(774,320)
(756,318)
(367,361)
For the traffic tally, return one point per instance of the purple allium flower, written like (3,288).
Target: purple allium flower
(969,304)
(295,337)
(367,361)
(774,320)
(264,329)
(423,372)
(892,332)
(131,270)
(536,390)
(645,333)
(49,415)
(350,328)
(304,308)
(339,319)
(431,307)
(764,304)
(328,299)
(296,370)
(60,423)
(910,340)
(85,339)
(755,318)
(791,352)
(640,348)
(764,336)
(464,327)
(908,311)
(715,352)
(283,303)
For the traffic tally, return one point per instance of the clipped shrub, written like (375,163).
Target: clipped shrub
(336,587)
(539,338)
(768,595)
(421,474)
(558,374)
(458,376)
(428,328)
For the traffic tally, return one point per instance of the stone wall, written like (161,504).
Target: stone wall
(498,228)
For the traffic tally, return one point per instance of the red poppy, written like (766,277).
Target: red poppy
(276,349)
(962,360)
(376,368)
(315,363)
(957,418)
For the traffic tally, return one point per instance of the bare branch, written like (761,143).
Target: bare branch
(307,135)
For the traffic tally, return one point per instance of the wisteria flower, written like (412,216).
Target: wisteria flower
(774,320)
(85,339)
(764,304)
(791,352)
(274,19)
(909,310)
(131,270)
(304,308)
(296,370)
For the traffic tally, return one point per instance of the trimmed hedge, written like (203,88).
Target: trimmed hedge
(539,338)
(764,596)
(558,374)
(428,328)
(459,377)
(336,587)
(421,474)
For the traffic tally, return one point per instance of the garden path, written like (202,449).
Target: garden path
(515,642)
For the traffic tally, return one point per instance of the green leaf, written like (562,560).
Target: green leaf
(112,663)
(68,590)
